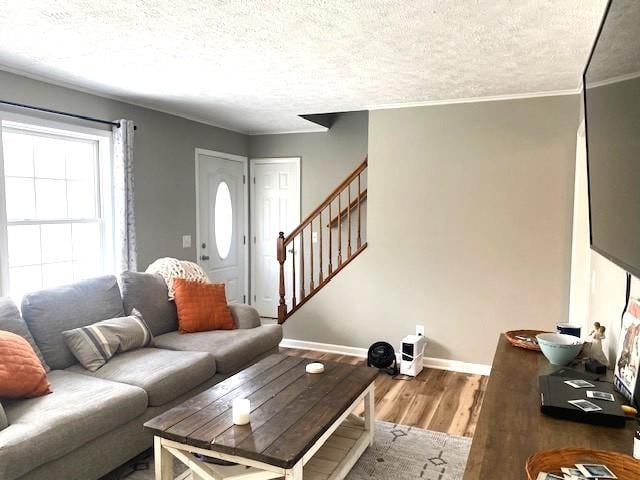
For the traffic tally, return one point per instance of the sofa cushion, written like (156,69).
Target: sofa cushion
(12,321)
(21,373)
(244,316)
(147,293)
(50,312)
(95,344)
(163,374)
(232,349)
(80,409)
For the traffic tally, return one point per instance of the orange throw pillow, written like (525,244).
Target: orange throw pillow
(21,372)
(202,306)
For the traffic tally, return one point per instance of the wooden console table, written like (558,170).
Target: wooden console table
(511,427)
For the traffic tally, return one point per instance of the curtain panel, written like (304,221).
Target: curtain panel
(123,188)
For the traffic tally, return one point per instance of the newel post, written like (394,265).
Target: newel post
(282,256)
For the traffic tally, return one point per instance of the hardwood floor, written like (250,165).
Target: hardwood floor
(437,400)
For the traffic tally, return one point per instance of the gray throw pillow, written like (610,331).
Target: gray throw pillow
(4,423)
(95,344)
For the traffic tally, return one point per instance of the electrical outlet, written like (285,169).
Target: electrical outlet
(420,330)
(186,241)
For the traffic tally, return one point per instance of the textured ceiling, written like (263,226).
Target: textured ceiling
(253,66)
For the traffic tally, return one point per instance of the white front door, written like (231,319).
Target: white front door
(275,207)
(222,221)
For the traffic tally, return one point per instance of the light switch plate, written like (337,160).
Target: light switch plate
(314,237)
(186,241)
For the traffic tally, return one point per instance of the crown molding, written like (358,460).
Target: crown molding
(493,98)
(388,106)
(76,88)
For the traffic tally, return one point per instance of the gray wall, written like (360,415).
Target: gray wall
(164,160)
(469,229)
(327,158)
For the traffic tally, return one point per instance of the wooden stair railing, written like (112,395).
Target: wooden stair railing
(307,246)
(343,214)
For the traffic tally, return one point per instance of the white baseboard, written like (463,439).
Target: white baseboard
(324,347)
(457,366)
(429,362)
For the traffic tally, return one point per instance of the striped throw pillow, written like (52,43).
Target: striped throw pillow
(94,345)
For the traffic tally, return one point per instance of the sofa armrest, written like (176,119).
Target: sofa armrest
(245,316)
(4,423)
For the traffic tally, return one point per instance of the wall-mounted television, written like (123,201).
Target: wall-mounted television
(612,115)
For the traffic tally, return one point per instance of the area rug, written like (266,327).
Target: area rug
(399,453)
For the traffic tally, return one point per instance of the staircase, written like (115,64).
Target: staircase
(323,244)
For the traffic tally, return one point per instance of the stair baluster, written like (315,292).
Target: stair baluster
(320,276)
(349,221)
(293,275)
(339,229)
(311,282)
(302,292)
(282,306)
(330,241)
(359,237)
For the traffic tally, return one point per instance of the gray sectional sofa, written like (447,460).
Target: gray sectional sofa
(93,422)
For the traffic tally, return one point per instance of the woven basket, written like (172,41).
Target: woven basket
(516,342)
(550,461)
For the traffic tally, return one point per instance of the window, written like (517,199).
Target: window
(223,220)
(55,214)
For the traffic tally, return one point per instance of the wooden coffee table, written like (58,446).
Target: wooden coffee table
(302,425)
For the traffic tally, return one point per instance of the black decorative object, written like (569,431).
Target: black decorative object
(381,355)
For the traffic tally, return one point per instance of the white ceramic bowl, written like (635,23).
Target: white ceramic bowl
(559,349)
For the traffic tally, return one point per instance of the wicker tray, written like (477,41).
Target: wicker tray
(550,461)
(516,342)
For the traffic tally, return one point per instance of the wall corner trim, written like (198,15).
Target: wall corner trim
(429,362)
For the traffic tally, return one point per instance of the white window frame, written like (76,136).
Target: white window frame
(104,177)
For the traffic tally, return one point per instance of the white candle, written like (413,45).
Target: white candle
(241,410)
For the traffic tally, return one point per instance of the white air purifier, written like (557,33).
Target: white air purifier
(412,354)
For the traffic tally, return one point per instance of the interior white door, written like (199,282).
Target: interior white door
(222,222)
(275,208)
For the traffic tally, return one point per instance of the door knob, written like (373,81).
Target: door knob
(204,257)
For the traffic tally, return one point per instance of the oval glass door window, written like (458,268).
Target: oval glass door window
(223,220)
